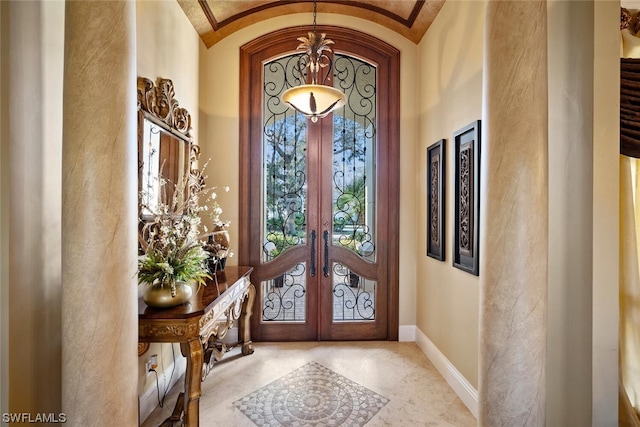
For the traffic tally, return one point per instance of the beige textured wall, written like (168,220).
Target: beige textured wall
(31,160)
(168,47)
(450,93)
(220,109)
(583,308)
(99,207)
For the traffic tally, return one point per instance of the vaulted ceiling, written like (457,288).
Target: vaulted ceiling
(216,19)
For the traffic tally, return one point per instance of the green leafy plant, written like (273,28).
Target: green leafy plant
(167,268)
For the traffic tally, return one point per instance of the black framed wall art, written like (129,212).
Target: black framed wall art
(436,176)
(467,198)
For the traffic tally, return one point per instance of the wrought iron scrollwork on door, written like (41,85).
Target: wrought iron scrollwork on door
(284,296)
(284,159)
(354,296)
(354,157)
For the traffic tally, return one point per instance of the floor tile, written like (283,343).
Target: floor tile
(398,371)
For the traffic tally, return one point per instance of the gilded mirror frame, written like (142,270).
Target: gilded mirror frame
(172,153)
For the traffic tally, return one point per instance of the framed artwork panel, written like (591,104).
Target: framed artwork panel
(436,185)
(467,198)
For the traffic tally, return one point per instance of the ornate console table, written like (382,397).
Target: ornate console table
(197,326)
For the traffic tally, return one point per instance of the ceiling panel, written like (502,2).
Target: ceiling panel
(216,19)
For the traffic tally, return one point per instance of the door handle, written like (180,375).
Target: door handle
(325,268)
(312,269)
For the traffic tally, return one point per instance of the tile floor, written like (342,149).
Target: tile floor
(403,382)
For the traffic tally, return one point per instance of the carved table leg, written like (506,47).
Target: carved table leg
(244,323)
(192,350)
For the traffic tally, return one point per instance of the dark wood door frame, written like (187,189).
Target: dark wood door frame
(274,44)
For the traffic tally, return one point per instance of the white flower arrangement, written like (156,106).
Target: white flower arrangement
(170,233)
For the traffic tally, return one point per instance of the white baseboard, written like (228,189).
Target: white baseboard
(149,400)
(465,391)
(407,333)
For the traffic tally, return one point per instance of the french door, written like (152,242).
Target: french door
(319,203)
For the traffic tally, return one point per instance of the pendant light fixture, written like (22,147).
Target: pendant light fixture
(314,100)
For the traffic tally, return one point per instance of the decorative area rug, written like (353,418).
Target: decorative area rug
(312,395)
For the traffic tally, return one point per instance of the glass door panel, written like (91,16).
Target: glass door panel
(318,206)
(284,164)
(354,150)
(354,297)
(354,190)
(284,224)
(284,297)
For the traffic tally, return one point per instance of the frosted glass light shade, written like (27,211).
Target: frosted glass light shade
(314,101)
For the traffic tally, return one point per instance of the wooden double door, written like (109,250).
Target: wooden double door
(319,202)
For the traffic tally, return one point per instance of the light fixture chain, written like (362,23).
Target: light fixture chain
(315,9)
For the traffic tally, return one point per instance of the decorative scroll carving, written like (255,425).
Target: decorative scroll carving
(216,329)
(168,331)
(213,352)
(217,325)
(208,318)
(435,201)
(166,150)
(142,348)
(235,310)
(467,198)
(464,236)
(194,155)
(159,101)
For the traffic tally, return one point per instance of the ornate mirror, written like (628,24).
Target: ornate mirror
(165,146)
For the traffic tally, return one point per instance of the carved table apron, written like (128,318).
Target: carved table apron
(198,325)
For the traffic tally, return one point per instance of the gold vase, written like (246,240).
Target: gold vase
(159,295)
